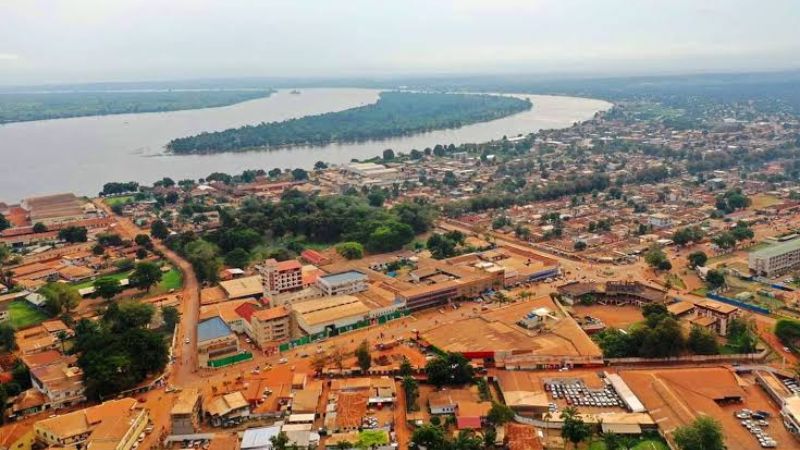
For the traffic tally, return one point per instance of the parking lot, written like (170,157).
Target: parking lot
(757,423)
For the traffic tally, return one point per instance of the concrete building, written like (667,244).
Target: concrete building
(314,316)
(243,287)
(790,412)
(775,259)
(115,424)
(266,327)
(342,283)
(281,276)
(718,315)
(215,340)
(186,412)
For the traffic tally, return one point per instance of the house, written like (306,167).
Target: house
(227,409)
(342,283)
(721,313)
(243,287)
(259,438)
(115,424)
(442,402)
(186,412)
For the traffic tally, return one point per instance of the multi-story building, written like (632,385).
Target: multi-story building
(186,412)
(115,424)
(718,315)
(342,283)
(266,327)
(775,259)
(281,276)
(790,412)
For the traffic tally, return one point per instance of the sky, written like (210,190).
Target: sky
(76,41)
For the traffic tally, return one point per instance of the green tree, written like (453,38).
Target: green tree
(203,257)
(388,154)
(702,342)
(430,437)
(171,316)
(697,259)
(143,240)
(715,278)
(299,174)
(145,275)
(705,433)
(405,367)
(237,258)
(73,234)
(39,227)
(280,441)
(350,250)
(574,430)
(4,223)
(107,287)
(655,256)
(363,356)
(500,414)
(449,369)
(60,298)
(579,246)
(159,230)
(788,331)
(376,199)
(7,339)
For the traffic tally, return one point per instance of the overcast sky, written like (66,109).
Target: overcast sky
(44,41)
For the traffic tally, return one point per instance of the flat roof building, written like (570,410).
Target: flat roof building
(348,282)
(775,259)
(243,287)
(314,316)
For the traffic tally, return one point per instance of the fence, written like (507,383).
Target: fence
(743,305)
(228,360)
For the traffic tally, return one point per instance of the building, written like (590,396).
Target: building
(281,276)
(612,293)
(243,287)
(215,340)
(259,438)
(186,412)
(59,380)
(342,283)
(329,313)
(115,424)
(227,409)
(719,315)
(790,412)
(660,220)
(55,209)
(775,259)
(266,327)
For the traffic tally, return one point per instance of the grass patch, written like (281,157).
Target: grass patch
(121,200)
(760,246)
(702,292)
(675,281)
(646,444)
(116,276)
(23,314)
(170,280)
(763,201)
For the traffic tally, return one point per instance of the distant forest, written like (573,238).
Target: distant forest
(395,114)
(26,106)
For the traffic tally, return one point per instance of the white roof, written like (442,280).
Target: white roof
(301,418)
(626,393)
(259,438)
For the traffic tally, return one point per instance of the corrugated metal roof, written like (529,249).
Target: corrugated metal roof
(212,329)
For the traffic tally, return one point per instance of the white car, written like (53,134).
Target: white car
(186,341)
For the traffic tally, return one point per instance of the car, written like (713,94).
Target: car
(283,361)
(186,340)
(766,414)
(248,340)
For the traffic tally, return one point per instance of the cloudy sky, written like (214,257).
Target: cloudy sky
(44,41)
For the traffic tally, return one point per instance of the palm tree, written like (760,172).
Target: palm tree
(62,336)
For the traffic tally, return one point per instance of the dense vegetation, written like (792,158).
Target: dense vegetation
(395,114)
(20,107)
(118,352)
(278,230)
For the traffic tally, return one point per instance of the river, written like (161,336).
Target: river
(80,154)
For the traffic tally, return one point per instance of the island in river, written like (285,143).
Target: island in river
(394,114)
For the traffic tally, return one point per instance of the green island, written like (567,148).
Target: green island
(394,114)
(23,107)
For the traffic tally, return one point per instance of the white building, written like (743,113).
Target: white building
(342,283)
(775,259)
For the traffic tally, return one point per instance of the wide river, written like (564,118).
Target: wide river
(80,154)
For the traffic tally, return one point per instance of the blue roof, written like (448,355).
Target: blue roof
(258,438)
(344,277)
(212,329)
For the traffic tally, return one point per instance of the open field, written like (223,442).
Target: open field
(111,201)
(170,280)
(23,314)
(763,201)
(612,316)
(116,276)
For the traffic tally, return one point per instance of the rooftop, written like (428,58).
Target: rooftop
(212,328)
(343,277)
(243,287)
(777,249)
